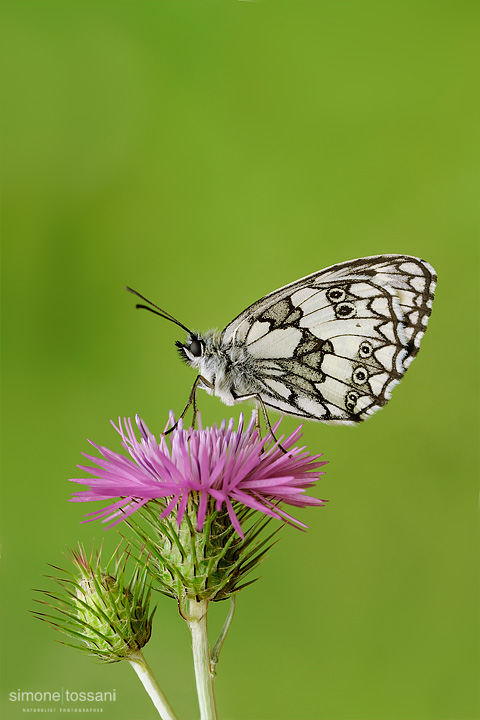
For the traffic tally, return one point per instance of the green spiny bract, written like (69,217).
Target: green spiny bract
(207,564)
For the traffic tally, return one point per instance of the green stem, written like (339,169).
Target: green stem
(221,638)
(141,667)
(197,622)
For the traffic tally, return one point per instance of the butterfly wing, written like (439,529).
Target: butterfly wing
(332,345)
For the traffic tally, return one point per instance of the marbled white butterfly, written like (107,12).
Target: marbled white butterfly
(329,347)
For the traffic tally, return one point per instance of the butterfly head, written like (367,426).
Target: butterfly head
(192,350)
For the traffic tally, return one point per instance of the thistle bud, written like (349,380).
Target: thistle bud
(112,619)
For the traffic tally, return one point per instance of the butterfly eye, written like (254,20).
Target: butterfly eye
(195,348)
(344,310)
(336,295)
(360,375)
(365,349)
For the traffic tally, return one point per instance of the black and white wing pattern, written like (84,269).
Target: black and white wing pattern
(332,345)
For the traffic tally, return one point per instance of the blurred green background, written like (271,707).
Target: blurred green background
(207,153)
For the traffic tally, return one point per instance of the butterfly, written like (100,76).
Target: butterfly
(328,347)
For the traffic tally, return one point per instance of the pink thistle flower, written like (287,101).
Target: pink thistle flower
(228,466)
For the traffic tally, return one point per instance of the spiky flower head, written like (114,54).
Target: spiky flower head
(110,618)
(205,497)
(220,465)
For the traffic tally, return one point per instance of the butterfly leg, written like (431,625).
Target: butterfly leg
(260,405)
(258,426)
(192,400)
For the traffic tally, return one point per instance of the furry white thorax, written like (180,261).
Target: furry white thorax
(229,368)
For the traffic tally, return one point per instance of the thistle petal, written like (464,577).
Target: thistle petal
(230,466)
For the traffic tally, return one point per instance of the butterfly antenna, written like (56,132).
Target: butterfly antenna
(157,311)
